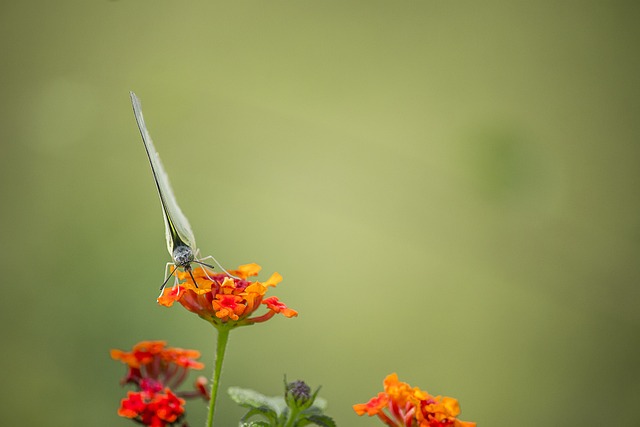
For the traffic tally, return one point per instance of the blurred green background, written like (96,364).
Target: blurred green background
(449,188)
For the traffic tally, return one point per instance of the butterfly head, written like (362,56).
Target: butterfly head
(183,256)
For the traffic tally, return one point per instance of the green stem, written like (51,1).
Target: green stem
(293,415)
(223,337)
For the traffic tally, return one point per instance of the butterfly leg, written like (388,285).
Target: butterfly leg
(206,272)
(219,265)
(166,267)
(199,260)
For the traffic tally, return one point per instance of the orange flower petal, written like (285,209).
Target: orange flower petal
(279,307)
(246,270)
(373,406)
(127,358)
(153,347)
(256,288)
(273,280)
(170,295)
(203,279)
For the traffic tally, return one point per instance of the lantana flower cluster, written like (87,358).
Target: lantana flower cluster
(401,405)
(226,299)
(157,371)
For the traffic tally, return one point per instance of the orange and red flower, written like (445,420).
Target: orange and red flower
(152,353)
(152,407)
(400,405)
(155,370)
(226,299)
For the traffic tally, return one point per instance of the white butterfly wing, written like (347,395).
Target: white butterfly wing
(176,224)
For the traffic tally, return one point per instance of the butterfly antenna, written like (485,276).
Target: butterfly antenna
(192,278)
(167,279)
(213,267)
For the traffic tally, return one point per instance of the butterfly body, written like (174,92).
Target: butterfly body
(181,243)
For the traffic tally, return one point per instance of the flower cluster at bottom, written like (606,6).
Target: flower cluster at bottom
(152,406)
(156,370)
(400,405)
(226,299)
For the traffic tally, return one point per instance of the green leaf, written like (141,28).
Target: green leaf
(319,404)
(252,399)
(269,414)
(255,424)
(321,420)
(247,397)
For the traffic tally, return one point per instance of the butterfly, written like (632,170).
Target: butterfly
(181,242)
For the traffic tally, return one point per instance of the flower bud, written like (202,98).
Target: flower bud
(298,394)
